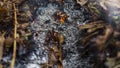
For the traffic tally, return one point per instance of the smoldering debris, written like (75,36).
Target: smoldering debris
(66,34)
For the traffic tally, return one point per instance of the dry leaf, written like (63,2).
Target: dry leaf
(61,38)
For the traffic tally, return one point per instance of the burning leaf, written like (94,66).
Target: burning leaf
(60,16)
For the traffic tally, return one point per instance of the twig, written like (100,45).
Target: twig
(15,31)
(84,41)
(2,40)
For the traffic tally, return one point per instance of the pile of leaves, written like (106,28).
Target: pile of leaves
(14,32)
(102,36)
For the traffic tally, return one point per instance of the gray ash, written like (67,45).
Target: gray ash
(45,22)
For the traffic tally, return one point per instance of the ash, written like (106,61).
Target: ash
(44,21)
